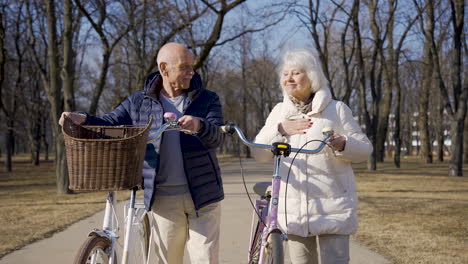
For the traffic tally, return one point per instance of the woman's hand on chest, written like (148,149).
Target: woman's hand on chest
(294,127)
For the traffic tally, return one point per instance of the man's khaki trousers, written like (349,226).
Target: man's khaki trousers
(176,225)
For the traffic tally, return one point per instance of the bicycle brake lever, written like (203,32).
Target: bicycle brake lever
(333,150)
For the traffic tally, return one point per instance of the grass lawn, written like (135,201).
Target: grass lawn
(415,214)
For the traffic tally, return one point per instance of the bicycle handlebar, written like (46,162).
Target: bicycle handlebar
(232,128)
(170,124)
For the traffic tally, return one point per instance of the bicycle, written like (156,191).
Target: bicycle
(266,240)
(100,246)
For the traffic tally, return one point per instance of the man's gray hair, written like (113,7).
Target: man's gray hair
(307,61)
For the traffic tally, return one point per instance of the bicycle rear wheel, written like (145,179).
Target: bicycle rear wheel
(139,236)
(95,250)
(274,252)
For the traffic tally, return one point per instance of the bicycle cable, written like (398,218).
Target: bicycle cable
(287,178)
(247,192)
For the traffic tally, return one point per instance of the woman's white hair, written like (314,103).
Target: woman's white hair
(307,61)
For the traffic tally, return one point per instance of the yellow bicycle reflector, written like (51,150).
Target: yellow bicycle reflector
(282,146)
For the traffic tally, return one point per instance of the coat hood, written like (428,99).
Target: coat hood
(154,84)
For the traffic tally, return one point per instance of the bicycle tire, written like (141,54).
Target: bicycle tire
(254,254)
(274,252)
(94,245)
(140,238)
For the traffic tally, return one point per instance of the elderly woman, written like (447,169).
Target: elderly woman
(321,194)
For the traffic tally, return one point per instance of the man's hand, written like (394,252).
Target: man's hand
(293,127)
(338,142)
(190,122)
(75,117)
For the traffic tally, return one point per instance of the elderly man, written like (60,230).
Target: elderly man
(182,181)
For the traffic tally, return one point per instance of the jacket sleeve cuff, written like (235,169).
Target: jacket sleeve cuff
(355,151)
(272,135)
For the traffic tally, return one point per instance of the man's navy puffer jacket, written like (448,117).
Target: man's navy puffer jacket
(199,151)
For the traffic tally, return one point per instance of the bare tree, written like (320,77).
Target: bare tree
(10,104)
(49,69)
(457,111)
(312,18)
(108,43)
(3,59)
(370,120)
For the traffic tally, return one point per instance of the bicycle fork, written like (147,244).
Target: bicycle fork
(272,218)
(109,227)
(128,226)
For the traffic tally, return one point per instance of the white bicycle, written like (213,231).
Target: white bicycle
(100,246)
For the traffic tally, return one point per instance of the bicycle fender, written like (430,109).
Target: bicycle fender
(277,230)
(100,233)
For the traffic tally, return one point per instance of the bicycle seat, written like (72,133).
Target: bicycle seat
(261,187)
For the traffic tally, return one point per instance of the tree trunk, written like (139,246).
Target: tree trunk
(35,140)
(465,142)
(9,141)
(244,54)
(68,66)
(44,138)
(440,134)
(101,82)
(397,127)
(423,119)
(55,99)
(391,79)
(456,160)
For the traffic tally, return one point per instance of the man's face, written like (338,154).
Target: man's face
(180,70)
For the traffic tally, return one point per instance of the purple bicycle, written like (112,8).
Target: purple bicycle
(266,239)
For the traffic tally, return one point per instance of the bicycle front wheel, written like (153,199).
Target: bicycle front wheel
(274,252)
(95,250)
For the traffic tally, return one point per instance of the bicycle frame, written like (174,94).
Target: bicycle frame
(110,225)
(269,222)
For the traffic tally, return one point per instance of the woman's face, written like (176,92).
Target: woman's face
(295,82)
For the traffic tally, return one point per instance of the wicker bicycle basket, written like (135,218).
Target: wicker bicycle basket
(104,158)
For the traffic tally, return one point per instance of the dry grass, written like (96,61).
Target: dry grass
(415,214)
(30,208)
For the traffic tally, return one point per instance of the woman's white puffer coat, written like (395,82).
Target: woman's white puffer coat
(321,193)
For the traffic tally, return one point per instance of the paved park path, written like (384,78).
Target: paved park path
(235,225)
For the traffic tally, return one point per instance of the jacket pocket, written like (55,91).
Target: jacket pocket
(215,167)
(322,178)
